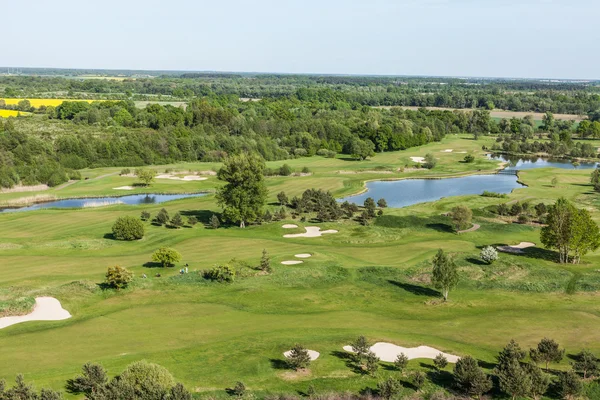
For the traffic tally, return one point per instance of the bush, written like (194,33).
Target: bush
(489,254)
(118,277)
(214,222)
(523,219)
(305,170)
(285,170)
(162,217)
(469,158)
(142,374)
(220,273)
(125,171)
(192,221)
(145,216)
(494,194)
(430,161)
(128,228)
(167,257)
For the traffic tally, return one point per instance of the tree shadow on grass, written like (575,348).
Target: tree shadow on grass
(441,378)
(540,254)
(348,359)
(109,236)
(476,261)
(152,264)
(277,363)
(486,364)
(416,290)
(441,227)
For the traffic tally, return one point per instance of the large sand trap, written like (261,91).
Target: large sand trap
(418,159)
(313,354)
(389,352)
(45,309)
(311,231)
(289,226)
(294,262)
(185,178)
(124,188)
(303,255)
(447,151)
(516,249)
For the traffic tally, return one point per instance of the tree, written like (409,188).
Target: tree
(469,158)
(267,217)
(118,277)
(489,254)
(469,378)
(430,161)
(145,216)
(214,222)
(298,358)
(586,364)
(547,351)
(502,209)
(92,380)
(401,362)
(539,381)
(585,234)
(146,176)
(128,228)
(381,203)
(440,362)
(461,217)
(362,149)
(371,363)
(445,273)
(595,179)
(541,209)
(514,380)
(370,207)
(177,221)
(192,221)
(569,385)
(179,392)
(162,217)
(245,193)
(239,389)
(389,388)
(282,198)
(285,170)
(557,232)
(360,347)
(418,379)
(265,262)
(167,257)
(554,182)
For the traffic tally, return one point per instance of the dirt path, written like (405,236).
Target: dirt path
(471,229)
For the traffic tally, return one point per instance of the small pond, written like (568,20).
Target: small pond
(520,162)
(134,199)
(413,191)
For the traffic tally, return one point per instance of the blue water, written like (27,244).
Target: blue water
(520,163)
(413,191)
(134,199)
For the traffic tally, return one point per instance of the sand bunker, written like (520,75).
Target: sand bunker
(313,354)
(388,352)
(124,188)
(289,226)
(45,309)
(311,231)
(516,249)
(447,151)
(294,262)
(303,255)
(185,178)
(418,159)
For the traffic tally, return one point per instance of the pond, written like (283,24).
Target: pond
(521,163)
(413,191)
(134,199)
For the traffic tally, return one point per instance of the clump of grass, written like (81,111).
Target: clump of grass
(18,306)
(487,193)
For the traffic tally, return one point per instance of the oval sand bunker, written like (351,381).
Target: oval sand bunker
(303,255)
(45,309)
(295,262)
(311,231)
(389,352)
(289,226)
(516,249)
(312,354)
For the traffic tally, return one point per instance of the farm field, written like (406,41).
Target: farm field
(370,281)
(500,114)
(12,113)
(42,102)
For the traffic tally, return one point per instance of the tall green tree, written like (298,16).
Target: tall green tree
(469,378)
(547,351)
(245,194)
(461,217)
(445,273)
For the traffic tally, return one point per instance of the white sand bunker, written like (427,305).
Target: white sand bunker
(185,178)
(303,255)
(45,309)
(312,354)
(447,151)
(294,262)
(311,231)
(289,226)
(517,249)
(418,159)
(388,352)
(124,188)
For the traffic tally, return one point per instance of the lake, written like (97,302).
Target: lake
(520,163)
(413,191)
(134,199)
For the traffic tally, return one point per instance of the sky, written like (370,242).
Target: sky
(484,38)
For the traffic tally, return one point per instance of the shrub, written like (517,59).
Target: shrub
(389,388)
(125,171)
(162,217)
(285,170)
(305,170)
(118,277)
(494,194)
(128,228)
(440,361)
(469,158)
(214,222)
(282,198)
(523,219)
(145,376)
(192,221)
(488,254)
(239,389)
(220,273)
(401,362)
(430,161)
(177,221)
(167,257)
(145,216)
(381,203)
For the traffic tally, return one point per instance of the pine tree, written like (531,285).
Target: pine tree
(265,262)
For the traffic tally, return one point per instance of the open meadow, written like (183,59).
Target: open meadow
(364,280)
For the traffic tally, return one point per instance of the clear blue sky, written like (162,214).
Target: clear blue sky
(504,38)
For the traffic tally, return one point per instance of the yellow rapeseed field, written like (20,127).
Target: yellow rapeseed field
(11,113)
(43,102)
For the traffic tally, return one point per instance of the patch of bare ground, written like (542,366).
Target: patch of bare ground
(295,375)
(21,188)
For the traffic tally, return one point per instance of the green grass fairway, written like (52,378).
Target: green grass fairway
(370,281)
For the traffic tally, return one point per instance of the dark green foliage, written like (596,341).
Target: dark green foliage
(371,364)
(381,203)
(265,262)
(569,385)
(461,217)
(305,170)
(496,195)
(23,391)
(191,221)
(389,388)
(285,170)
(586,364)
(547,351)
(541,209)
(362,149)
(92,380)
(220,273)
(502,209)
(267,217)
(298,358)
(430,161)
(440,361)
(282,198)
(176,221)
(401,362)
(145,216)
(162,217)
(516,209)
(469,378)
(323,203)
(418,379)
(369,206)
(469,158)
(539,381)
(128,228)
(239,389)
(360,347)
